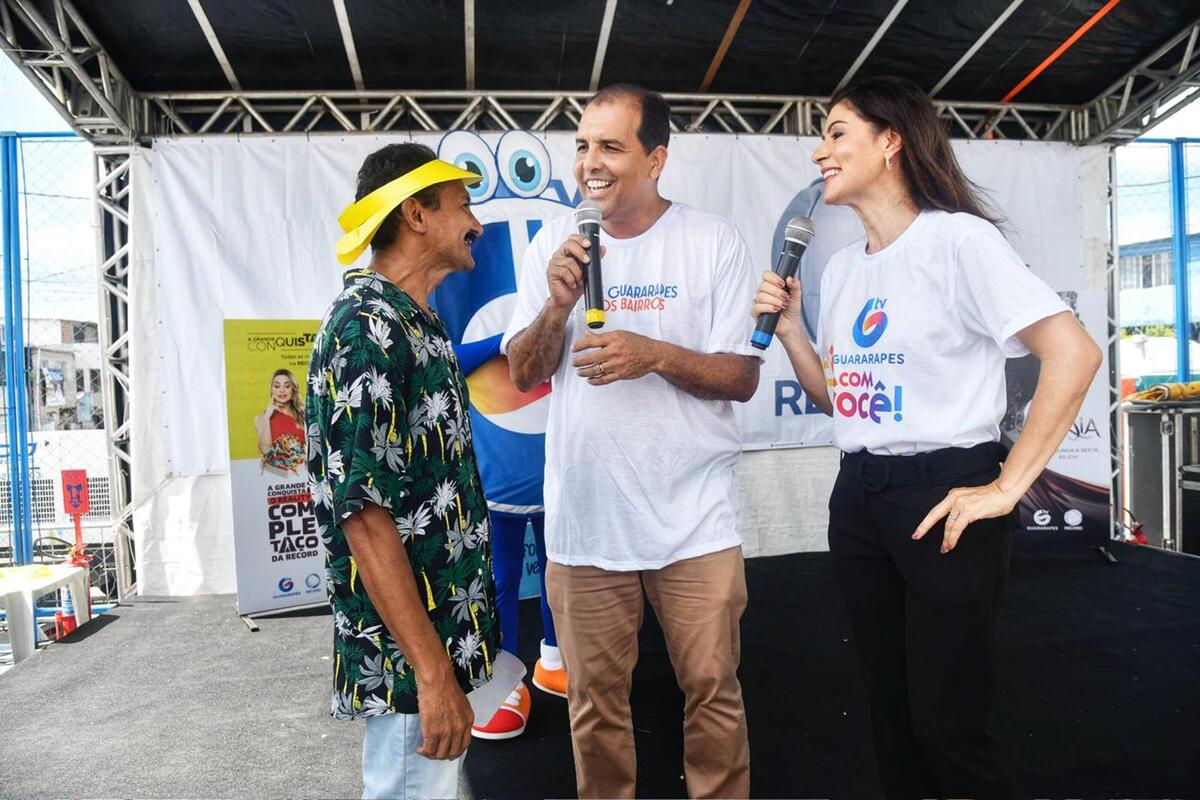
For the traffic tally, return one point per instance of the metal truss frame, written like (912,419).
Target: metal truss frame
(64,59)
(380,111)
(113,256)
(1116,431)
(1148,94)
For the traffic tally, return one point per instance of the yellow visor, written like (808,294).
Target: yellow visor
(361,219)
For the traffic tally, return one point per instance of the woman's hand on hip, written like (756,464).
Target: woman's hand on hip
(964,506)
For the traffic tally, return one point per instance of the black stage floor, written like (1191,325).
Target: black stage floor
(1099,696)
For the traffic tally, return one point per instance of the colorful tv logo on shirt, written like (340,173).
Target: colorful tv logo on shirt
(871,322)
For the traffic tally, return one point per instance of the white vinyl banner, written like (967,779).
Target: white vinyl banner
(244,228)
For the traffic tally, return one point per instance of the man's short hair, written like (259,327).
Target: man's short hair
(655,127)
(384,166)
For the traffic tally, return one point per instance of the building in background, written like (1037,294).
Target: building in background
(1146,281)
(66,430)
(64,359)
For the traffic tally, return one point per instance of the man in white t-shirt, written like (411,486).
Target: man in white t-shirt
(641,443)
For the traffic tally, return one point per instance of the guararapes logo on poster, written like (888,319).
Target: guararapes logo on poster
(291,526)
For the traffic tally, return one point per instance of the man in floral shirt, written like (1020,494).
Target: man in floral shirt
(394,484)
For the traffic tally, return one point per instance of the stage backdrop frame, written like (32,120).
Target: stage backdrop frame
(97,101)
(181,556)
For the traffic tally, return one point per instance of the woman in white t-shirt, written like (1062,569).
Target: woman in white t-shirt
(915,325)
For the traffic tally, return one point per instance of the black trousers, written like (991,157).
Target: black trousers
(923,623)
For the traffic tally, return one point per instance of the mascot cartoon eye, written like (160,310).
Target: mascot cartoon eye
(465,149)
(524,163)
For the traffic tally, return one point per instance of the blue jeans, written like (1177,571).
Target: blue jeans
(391,767)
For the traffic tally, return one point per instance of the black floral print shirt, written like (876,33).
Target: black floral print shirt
(388,423)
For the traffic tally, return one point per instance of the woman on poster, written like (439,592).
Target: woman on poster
(914,328)
(280,428)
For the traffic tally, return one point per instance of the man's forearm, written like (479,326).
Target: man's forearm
(708,376)
(534,353)
(387,574)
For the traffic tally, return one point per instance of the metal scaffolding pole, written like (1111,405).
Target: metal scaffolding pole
(112,189)
(65,60)
(1116,430)
(15,366)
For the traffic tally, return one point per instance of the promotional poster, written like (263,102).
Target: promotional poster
(279,556)
(1070,497)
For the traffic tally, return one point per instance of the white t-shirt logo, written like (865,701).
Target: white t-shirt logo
(915,335)
(871,322)
(858,391)
(638,297)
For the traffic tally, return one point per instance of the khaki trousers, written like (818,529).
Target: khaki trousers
(699,604)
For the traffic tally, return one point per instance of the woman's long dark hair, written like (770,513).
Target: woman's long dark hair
(930,170)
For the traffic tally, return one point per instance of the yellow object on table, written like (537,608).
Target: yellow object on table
(1168,391)
(32,572)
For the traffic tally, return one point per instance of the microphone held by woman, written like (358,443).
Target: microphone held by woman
(796,238)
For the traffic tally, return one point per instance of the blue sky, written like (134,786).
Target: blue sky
(58,244)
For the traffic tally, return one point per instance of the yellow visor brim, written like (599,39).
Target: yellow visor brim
(362,218)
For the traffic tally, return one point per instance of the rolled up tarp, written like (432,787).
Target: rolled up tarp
(1168,391)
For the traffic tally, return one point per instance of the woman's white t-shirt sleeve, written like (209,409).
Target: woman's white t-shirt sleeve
(997,295)
(733,290)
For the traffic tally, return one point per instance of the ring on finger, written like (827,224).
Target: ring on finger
(953,516)
(600,366)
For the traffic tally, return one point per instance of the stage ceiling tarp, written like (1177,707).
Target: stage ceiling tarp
(792,47)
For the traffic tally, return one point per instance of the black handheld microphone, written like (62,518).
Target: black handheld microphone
(796,237)
(587,217)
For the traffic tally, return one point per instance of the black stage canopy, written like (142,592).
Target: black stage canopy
(797,47)
(1069,70)
(1114,61)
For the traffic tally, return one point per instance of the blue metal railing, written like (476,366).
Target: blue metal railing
(16,367)
(1179,247)
(15,372)
(1179,250)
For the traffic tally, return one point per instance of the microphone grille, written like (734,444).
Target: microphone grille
(586,213)
(799,229)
